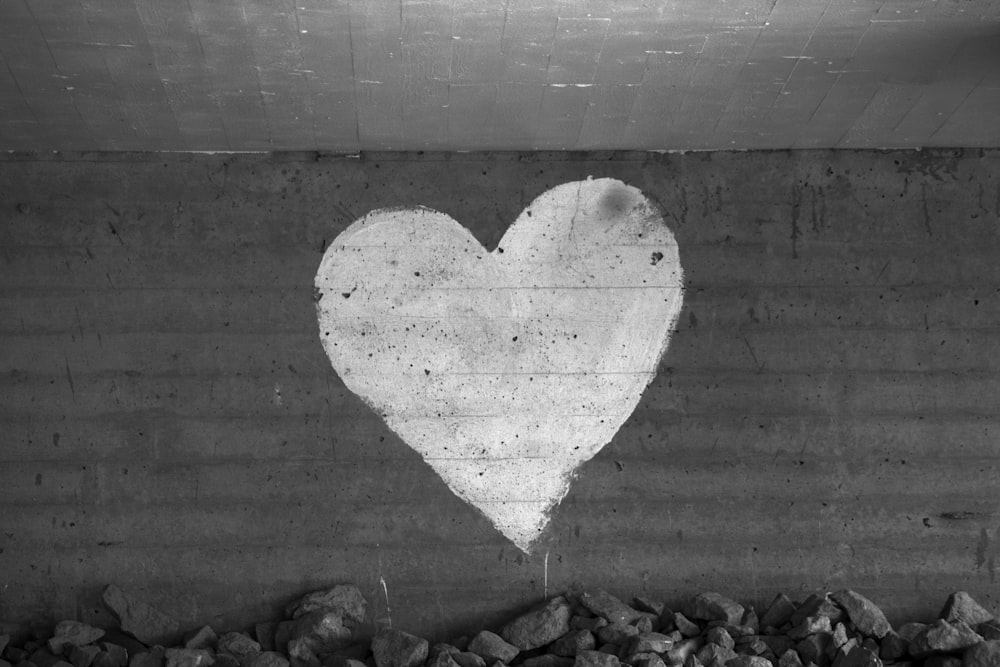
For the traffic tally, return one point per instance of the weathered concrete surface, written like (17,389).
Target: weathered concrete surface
(826,415)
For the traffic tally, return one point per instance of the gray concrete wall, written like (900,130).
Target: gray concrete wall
(826,415)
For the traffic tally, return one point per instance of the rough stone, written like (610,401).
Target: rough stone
(204,637)
(264,632)
(682,649)
(117,654)
(810,626)
(548,660)
(395,648)
(893,646)
(790,658)
(603,604)
(443,659)
(238,645)
(225,660)
(42,656)
(592,623)
(649,606)
(72,633)
(617,633)
(650,660)
(82,656)
(753,645)
(749,661)
(492,646)
(989,629)
(714,607)
(816,648)
(720,636)
(685,626)
(643,624)
(267,659)
(572,642)
(155,657)
(939,660)
(692,661)
(188,657)
(908,631)
(960,606)
(145,622)
(778,613)
(468,659)
(751,621)
(817,605)
(713,654)
(649,642)
(854,655)
(866,617)
(777,643)
(318,632)
(943,637)
(540,626)
(983,654)
(4,640)
(596,659)
(344,599)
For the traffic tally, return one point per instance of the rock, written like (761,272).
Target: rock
(867,618)
(493,647)
(188,657)
(117,654)
(319,633)
(238,645)
(778,644)
(145,622)
(267,659)
(468,659)
(692,661)
(650,660)
(617,633)
(840,636)
(647,605)
(131,645)
(810,626)
(751,621)
(943,637)
(649,642)
(603,604)
(643,624)
(596,659)
(908,631)
(749,661)
(856,656)
(682,649)
(154,657)
(817,605)
(719,635)
(395,648)
(778,613)
(685,626)
(939,660)
(714,607)
(989,629)
(73,633)
(15,655)
(264,632)
(204,637)
(961,607)
(983,654)
(345,600)
(225,660)
(443,659)
(4,640)
(816,648)
(592,623)
(790,658)
(82,656)
(753,645)
(893,646)
(43,657)
(548,660)
(713,654)
(572,642)
(540,626)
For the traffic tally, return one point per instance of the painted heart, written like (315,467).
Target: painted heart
(505,370)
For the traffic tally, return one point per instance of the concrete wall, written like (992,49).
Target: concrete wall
(826,414)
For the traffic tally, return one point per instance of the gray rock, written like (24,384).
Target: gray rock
(238,645)
(816,648)
(961,607)
(492,646)
(649,606)
(225,660)
(989,629)
(713,654)
(318,633)
(778,613)
(43,657)
(267,659)
(117,654)
(649,642)
(719,635)
(540,626)
(573,642)
(649,660)
(714,607)
(817,605)
(682,650)
(154,657)
(343,599)
(753,645)
(867,618)
(603,604)
(790,658)
(592,623)
(908,631)
(617,633)
(204,637)
(810,626)
(893,647)
(983,654)
(644,624)
(73,633)
(778,644)
(856,656)
(685,626)
(943,637)
(4,640)
(468,659)
(939,660)
(82,656)
(395,648)
(439,660)
(264,632)
(749,661)
(692,661)
(596,659)
(188,657)
(145,622)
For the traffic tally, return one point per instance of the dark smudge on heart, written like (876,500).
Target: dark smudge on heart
(615,202)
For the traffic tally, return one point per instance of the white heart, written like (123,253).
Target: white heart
(505,370)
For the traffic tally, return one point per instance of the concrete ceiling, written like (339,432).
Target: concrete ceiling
(349,75)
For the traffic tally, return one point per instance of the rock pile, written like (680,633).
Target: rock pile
(593,629)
